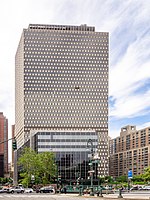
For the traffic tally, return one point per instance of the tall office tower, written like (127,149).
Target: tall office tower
(3,145)
(62,82)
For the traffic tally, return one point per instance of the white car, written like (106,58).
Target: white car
(3,190)
(16,189)
(147,187)
(28,190)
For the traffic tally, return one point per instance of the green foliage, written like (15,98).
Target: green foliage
(47,166)
(3,180)
(146,175)
(109,179)
(122,179)
(25,179)
(139,183)
(106,179)
(138,178)
(101,180)
(125,185)
(40,165)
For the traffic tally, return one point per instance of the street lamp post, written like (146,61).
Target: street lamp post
(57,173)
(90,145)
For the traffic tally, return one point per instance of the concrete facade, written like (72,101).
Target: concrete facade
(62,82)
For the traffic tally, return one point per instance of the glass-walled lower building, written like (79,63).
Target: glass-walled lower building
(70,148)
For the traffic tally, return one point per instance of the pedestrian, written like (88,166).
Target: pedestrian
(65,190)
(107,187)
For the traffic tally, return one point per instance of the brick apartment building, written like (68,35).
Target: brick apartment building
(3,145)
(130,151)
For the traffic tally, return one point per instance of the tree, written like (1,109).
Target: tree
(47,166)
(138,179)
(41,165)
(29,165)
(108,179)
(146,174)
(122,179)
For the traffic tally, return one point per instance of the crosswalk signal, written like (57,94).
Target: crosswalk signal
(14,144)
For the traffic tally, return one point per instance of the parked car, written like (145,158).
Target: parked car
(28,190)
(3,190)
(16,189)
(49,189)
(146,187)
(134,188)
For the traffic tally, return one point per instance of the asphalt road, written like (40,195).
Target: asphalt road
(35,196)
(42,197)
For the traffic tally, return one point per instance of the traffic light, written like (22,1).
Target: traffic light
(14,144)
(59,179)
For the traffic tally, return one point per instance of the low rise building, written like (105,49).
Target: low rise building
(70,150)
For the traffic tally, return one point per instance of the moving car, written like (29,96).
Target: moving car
(16,189)
(49,189)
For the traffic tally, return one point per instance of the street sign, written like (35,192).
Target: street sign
(96,161)
(90,155)
(91,171)
(129,174)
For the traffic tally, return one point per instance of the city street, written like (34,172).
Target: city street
(34,196)
(43,196)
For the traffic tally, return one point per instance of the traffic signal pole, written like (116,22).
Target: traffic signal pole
(6,140)
(14,144)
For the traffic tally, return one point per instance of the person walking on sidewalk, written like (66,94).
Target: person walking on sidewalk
(65,190)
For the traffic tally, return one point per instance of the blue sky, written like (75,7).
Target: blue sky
(128,23)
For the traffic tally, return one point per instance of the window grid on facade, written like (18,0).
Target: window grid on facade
(62,81)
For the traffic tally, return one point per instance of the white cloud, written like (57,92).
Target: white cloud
(115,132)
(131,106)
(126,21)
(144,125)
(129,71)
(129,75)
